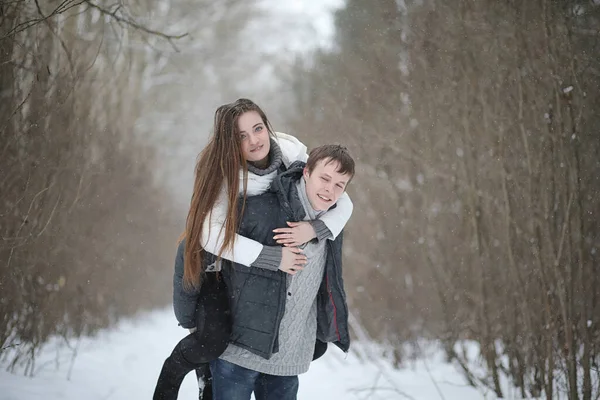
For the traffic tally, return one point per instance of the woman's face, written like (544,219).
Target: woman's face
(255,136)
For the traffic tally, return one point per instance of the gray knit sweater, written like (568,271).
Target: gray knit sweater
(298,329)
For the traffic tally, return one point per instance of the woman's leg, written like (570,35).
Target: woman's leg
(186,356)
(272,387)
(231,382)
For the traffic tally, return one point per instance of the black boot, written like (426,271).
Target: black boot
(204,382)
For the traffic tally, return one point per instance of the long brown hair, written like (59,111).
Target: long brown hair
(218,164)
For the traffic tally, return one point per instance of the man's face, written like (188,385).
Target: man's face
(255,136)
(324,185)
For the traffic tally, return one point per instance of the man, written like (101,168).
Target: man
(280,322)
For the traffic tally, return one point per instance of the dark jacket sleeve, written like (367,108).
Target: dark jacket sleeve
(184,299)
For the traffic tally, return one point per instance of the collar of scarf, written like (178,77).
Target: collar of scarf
(275,161)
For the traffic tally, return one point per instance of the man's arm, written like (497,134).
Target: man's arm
(328,226)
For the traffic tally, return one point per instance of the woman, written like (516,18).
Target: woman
(241,159)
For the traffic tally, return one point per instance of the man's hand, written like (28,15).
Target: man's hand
(292,260)
(297,234)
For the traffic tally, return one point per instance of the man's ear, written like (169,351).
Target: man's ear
(305,173)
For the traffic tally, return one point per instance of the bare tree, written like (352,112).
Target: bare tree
(476,192)
(88,235)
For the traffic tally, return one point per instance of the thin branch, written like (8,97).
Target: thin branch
(39,9)
(10,346)
(18,65)
(50,217)
(63,7)
(115,15)
(382,389)
(563,231)
(51,29)
(73,357)
(426,364)
(13,114)
(25,220)
(132,23)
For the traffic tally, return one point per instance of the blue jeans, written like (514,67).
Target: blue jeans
(232,382)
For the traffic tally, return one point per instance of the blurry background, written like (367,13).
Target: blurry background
(475,125)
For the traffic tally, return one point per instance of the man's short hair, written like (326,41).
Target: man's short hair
(332,153)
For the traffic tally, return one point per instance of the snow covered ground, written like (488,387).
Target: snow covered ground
(123,363)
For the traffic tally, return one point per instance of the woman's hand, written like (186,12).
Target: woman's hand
(292,260)
(297,234)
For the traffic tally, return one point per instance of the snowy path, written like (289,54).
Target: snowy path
(123,363)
